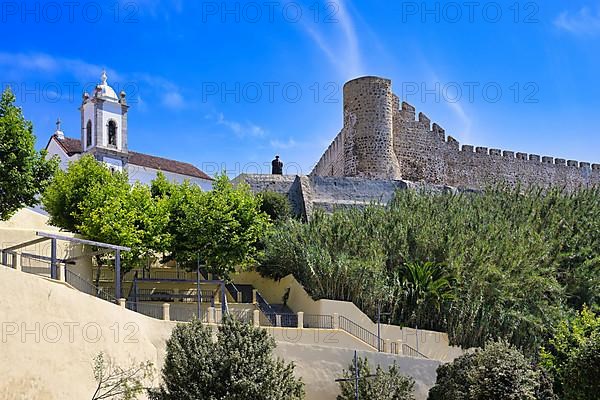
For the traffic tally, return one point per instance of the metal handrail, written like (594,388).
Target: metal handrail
(361,333)
(181,313)
(286,320)
(318,321)
(84,286)
(411,351)
(169,295)
(147,309)
(233,290)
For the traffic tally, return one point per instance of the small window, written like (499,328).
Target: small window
(112,133)
(88,134)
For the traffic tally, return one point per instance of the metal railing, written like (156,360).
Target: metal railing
(107,274)
(360,333)
(169,295)
(245,316)
(283,320)
(233,290)
(411,351)
(42,271)
(148,309)
(185,314)
(318,321)
(84,286)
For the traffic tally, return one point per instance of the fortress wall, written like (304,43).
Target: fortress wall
(426,154)
(332,161)
(383,140)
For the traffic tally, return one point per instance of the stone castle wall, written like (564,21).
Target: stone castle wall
(420,151)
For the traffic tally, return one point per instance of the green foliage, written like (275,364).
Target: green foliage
(563,352)
(382,385)
(505,263)
(421,292)
(222,227)
(238,365)
(582,372)
(497,372)
(90,199)
(69,189)
(114,382)
(25,171)
(276,206)
(126,215)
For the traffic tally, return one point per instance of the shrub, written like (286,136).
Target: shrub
(238,365)
(276,206)
(562,350)
(497,372)
(582,372)
(383,385)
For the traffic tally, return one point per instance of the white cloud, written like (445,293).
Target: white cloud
(86,74)
(173,100)
(340,43)
(583,22)
(240,129)
(289,144)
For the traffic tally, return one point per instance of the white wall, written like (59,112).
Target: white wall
(55,149)
(145,175)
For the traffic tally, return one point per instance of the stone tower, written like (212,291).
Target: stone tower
(104,125)
(368,129)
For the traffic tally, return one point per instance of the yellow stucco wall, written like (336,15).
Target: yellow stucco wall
(50,333)
(22,227)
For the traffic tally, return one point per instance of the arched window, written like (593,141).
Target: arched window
(112,133)
(88,134)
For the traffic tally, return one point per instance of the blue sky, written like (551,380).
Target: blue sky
(227,85)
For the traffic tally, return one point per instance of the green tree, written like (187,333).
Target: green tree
(25,171)
(222,227)
(119,213)
(423,289)
(562,352)
(89,199)
(498,372)
(69,189)
(237,365)
(382,385)
(582,372)
(275,205)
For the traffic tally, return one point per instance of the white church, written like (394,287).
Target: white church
(104,132)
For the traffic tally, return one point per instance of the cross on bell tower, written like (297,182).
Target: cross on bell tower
(59,133)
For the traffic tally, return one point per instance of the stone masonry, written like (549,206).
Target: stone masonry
(382,140)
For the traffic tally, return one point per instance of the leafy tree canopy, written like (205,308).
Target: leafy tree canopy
(222,227)
(70,188)
(25,171)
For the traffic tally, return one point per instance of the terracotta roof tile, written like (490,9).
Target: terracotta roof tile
(73,146)
(164,164)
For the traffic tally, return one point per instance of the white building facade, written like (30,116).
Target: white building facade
(104,134)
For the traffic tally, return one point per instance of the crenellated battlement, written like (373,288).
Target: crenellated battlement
(385,138)
(438,132)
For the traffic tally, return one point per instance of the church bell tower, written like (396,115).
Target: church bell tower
(104,125)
